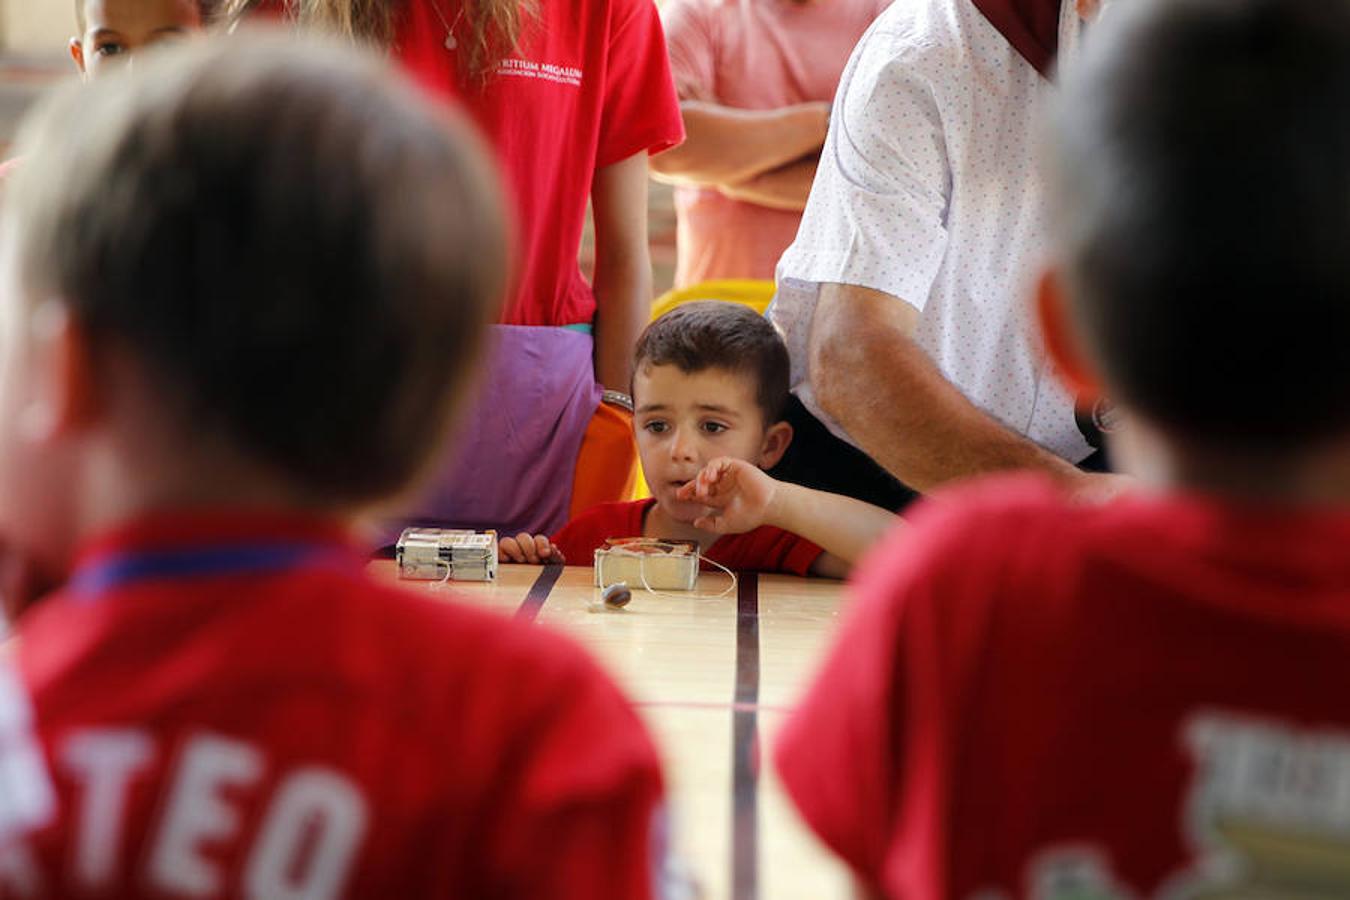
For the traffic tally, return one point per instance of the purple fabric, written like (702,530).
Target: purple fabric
(514,453)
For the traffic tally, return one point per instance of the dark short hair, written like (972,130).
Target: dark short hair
(715,334)
(1203,214)
(300,249)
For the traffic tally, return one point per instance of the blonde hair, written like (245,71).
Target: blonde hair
(496,27)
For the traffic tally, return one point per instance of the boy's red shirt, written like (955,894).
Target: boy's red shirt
(1036,699)
(765,549)
(230,706)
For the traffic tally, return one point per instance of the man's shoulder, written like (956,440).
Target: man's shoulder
(929,39)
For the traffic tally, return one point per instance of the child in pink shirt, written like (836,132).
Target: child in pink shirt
(755,80)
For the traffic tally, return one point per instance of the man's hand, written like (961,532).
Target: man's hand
(535,549)
(738,495)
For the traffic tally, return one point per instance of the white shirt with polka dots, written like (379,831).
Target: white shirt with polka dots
(929,190)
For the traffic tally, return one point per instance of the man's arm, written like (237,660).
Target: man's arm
(786,187)
(724,145)
(870,376)
(623,267)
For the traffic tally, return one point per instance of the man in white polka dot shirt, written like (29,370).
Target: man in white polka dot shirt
(904,300)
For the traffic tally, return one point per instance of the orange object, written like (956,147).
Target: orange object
(607,465)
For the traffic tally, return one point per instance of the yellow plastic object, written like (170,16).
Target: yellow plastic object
(749,292)
(753,293)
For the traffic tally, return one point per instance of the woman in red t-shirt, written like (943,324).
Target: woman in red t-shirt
(573,95)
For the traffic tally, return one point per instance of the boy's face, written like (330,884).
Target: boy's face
(35,477)
(115,29)
(685,420)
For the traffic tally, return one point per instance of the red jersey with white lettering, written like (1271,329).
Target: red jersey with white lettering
(27,800)
(1037,699)
(230,706)
(765,549)
(590,86)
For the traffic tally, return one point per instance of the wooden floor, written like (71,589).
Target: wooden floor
(713,679)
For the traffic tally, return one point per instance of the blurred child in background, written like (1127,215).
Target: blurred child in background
(1036,698)
(241,292)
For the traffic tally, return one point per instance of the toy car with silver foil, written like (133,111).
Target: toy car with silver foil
(446,554)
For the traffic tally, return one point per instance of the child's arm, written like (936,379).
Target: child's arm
(535,549)
(741,497)
(623,267)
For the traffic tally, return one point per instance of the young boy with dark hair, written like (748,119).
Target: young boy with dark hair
(1037,699)
(113,31)
(710,384)
(240,291)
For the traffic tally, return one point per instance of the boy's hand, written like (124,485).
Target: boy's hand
(738,495)
(535,549)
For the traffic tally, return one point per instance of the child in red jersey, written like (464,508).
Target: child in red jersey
(710,384)
(1045,700)
(240,290)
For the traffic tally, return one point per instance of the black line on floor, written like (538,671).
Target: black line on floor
(539,591)
(745,745)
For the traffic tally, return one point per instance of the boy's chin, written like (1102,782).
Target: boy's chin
(682,511)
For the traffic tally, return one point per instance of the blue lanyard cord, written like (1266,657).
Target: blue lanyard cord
(244,559)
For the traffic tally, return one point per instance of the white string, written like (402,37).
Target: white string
(654,544)
(449,570)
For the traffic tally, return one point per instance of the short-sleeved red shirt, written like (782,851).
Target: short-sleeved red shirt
(230,706)
(765,549)
(589,87)
(1036,699)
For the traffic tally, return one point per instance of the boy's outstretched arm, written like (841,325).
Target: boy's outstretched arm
(535,549)
(741,497)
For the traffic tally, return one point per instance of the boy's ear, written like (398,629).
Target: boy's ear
(1062,342)
(776,440)
(67,393)
(77,53)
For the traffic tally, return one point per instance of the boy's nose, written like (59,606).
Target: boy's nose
(682,446)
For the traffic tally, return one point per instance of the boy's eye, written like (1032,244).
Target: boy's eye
(109,49)
(713,427)
(656,426)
